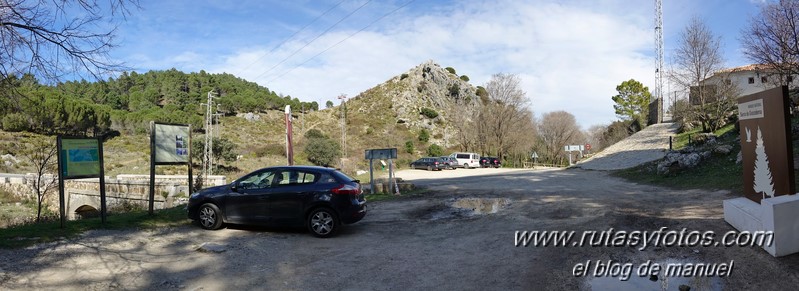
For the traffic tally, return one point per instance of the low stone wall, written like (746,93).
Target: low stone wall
(214,180)
(130,187)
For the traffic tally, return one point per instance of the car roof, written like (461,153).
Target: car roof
(299,167)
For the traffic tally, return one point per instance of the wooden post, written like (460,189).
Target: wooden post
(152,167)
(191,187)
(61,201)
(103,208)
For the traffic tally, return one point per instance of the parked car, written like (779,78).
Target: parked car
(490,162)
(429,163)
(450,163)
(467,160)
(321,199)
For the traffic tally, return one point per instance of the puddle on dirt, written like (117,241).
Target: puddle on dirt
(460,208)
(481,205)
(662,283)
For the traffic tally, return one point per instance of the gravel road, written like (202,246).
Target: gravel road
(436,241)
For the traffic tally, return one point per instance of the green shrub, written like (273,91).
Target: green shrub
(15,122)
(435,151)
(424,135)
(465,78)
(482,93)
(314,133)
(403,77)
(409,147)
(322,151)
(430,113)
(454,90)
(450,70)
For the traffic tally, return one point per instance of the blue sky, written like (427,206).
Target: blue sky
(569,54)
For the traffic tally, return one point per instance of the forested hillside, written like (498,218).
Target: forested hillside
(128,103)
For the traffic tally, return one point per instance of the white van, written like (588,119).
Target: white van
(467,160)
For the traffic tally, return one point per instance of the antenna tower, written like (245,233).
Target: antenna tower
(208,153)
(659,53)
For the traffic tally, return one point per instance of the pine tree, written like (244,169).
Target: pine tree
(763,182)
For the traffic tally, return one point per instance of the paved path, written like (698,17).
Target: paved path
(644,146)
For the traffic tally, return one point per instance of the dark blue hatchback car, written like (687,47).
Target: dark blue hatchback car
(320,198)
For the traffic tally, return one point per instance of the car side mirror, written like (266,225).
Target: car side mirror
(234,186)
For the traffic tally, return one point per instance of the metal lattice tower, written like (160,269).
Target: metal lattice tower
(659,53)
(208,153)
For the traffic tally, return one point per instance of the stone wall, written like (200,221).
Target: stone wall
(123,187)
(655,112)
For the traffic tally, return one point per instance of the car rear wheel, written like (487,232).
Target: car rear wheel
(322,222)
(466,166)
(210,216)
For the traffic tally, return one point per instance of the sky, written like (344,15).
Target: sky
(569,54)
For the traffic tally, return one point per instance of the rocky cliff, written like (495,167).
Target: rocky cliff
(398,104)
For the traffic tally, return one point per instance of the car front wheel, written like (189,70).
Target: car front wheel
(210,216)
(322,222)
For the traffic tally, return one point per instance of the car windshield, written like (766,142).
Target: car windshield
(257,180)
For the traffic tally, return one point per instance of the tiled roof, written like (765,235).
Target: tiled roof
(752,67)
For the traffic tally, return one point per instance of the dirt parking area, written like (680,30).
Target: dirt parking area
(458,236)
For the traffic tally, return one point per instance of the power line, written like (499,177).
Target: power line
(343,40)
(292,36)
(314,39)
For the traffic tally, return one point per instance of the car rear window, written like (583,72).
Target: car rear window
(341,177)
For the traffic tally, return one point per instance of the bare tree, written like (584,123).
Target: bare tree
(42,38)
(522,141)
(595,137)
(507,114)
(465,130)
(556,130)
(697,57)
(41,153)
(772,38)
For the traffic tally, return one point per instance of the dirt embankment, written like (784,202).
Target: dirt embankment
(459,236)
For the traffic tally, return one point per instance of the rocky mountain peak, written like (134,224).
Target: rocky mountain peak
(428,85)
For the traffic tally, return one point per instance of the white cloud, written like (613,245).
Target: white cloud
(569,56)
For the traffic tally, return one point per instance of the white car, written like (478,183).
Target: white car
(467,160)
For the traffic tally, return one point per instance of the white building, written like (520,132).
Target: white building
(751,79)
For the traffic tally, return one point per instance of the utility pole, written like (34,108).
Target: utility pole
(343,108)
(208,153)
(289,133)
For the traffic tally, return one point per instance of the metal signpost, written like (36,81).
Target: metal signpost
(574,148)
(380,154)
(170,144)
(80,157)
